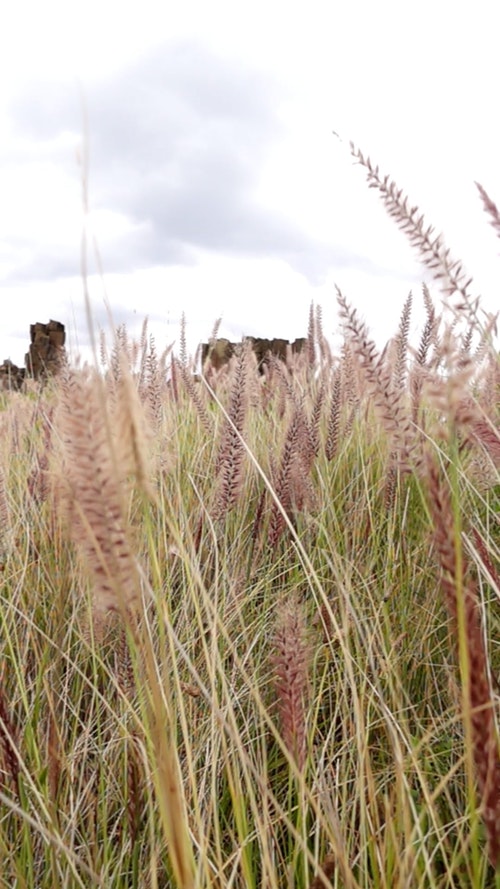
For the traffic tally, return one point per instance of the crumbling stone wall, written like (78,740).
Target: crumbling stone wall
(221,351)
(46,349)
(42,360)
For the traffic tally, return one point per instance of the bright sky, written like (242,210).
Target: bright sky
(216,187)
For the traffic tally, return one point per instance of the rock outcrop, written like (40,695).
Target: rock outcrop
(43,359)
(46,349)
(221,350)
(11,376)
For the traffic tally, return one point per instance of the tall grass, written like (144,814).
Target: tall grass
(249,620)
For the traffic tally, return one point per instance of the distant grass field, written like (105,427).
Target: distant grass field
(249,623)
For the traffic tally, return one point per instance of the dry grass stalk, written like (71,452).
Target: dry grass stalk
(490,208)
(259,515)
(183,352)
(431,247)
(456,581)
(485,353)
(8,741)
(332,437)
(124,667)
(325,352)
(431,325)
(488,437)
(121,354)
(311,338)
(486,559)
(282,372)
(103,349)
(390,486)
(172,804)
(131,434)
(143,349)
(465,347)
(401,348)
(55,756)
(292,481)
(38,481)
(352,385)
(231,456)
(209,372)
(135,790)
(174,379)
(278,384)
(419,371)
(388,402)
(424,358)
(94,495)
(152,386)
(5,526)
(291,664)
(316,420)
(194,391)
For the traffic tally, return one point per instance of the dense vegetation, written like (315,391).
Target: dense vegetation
(250,619)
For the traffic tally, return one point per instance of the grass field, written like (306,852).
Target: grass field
(249,621)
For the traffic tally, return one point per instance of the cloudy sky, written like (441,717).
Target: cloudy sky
(215,186)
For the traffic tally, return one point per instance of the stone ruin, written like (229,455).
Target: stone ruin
(11,376)
(43,359)
(46,349)
(220,351)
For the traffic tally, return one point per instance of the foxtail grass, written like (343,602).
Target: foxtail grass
(249,618)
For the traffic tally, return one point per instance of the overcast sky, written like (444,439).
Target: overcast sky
(215,185)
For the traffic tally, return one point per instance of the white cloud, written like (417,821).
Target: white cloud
(415,86)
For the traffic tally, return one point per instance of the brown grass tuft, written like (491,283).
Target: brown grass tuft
(328,868)
(135,787)
(94,494)
(456,581)
(231,456)
(8,742)
(292,483)
(291,664)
